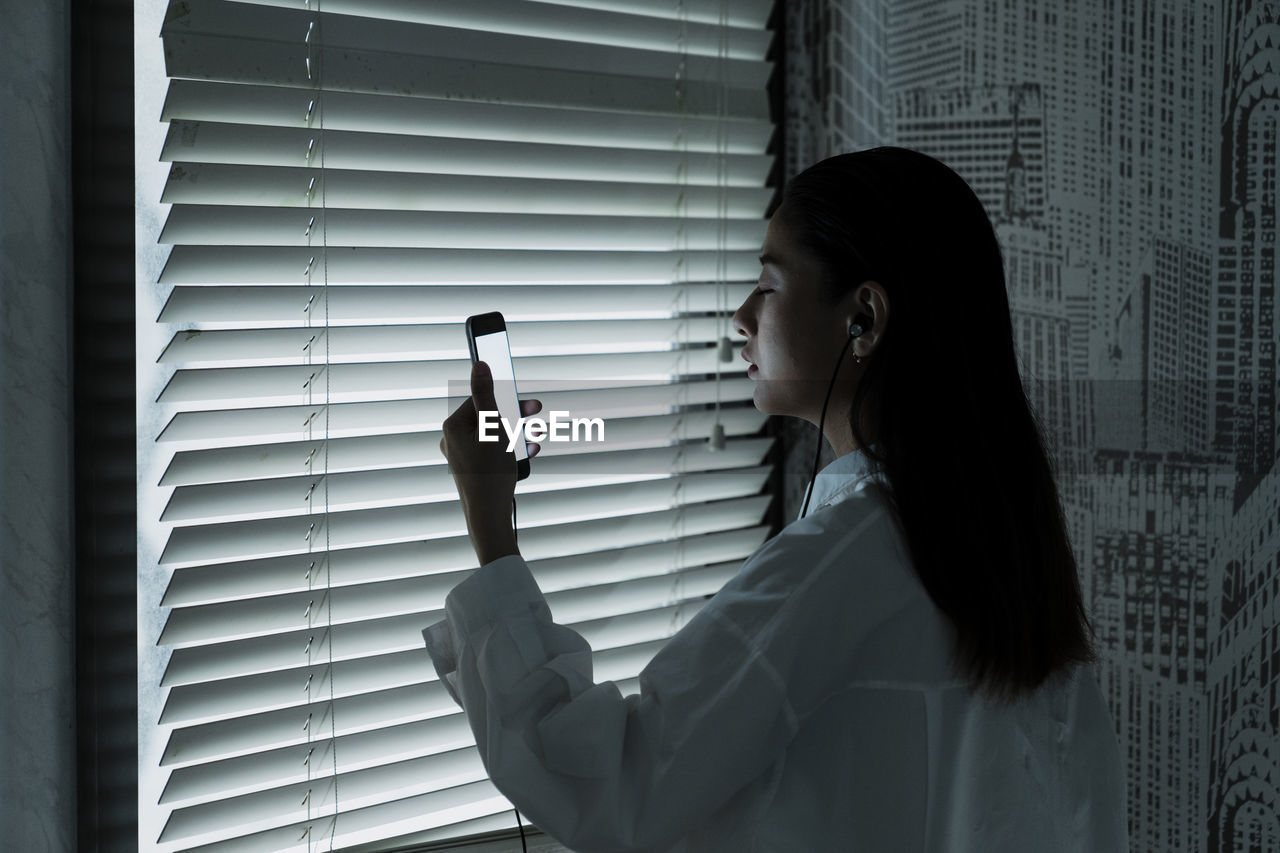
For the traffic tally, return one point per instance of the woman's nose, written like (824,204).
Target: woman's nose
(740,318)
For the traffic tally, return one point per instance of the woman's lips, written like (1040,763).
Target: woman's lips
(752,371)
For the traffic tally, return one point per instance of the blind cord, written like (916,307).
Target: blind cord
(515,534)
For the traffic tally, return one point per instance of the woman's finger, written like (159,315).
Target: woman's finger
(530,407)
(482,388)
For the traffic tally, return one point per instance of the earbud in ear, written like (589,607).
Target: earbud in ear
(861,323)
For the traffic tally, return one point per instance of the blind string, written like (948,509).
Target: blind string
(324,239)
(309,387)
(313,43)
(723,348)
(682,166)
(677,530)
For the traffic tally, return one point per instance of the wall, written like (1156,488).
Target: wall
(37,692)
(1138,224)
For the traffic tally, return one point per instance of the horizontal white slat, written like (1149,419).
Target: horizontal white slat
(292,304)
(485,29)
(238,697)
(609,501)
(214,225)
(300,684)
(288,423)
(624,612)
(242,103)
(448,811)
(205,704)
(738,13)
(351,714)
(302,186)
(444,812)
(247,387)
(261,770)
(252,655)
(439,810)
(244,540)
(457,806)
(666,532)
(274,729)
(349,70)
(630,629)
(606,632)
(489,825)
(370,453)
(362,787)
(440,340)
(250,387)
(300,495)
(371,604)
(654,26)
(243,144)
(280,775)
(272,807)
(350,265)
(753,14)
(564,569)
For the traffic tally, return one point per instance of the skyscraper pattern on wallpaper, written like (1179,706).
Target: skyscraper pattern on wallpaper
(1126,153)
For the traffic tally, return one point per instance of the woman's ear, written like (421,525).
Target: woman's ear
(872,294)
(870,309)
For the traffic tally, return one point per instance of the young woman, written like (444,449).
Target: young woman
(903,668)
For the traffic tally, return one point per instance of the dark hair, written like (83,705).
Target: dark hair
(955,437)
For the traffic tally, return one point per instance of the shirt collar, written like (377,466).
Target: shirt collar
(839,479)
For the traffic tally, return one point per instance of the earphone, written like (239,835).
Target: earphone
(861,323)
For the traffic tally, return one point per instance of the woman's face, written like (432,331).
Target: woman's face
(795,334)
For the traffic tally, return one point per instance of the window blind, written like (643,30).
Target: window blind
(347,180)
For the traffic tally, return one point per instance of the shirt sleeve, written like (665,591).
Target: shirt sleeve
(603,772)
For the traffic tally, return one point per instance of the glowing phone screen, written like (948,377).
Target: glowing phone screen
(495,351)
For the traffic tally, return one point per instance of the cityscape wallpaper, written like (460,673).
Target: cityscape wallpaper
(1126,154)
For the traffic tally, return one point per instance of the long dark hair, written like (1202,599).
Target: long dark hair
(955,437)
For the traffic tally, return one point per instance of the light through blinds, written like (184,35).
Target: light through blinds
(347,180)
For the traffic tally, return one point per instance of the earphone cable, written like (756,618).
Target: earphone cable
(515,534)
(523,847)
(822,419)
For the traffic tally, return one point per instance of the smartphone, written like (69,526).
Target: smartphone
(487,340)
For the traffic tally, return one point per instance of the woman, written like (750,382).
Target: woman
(902,668)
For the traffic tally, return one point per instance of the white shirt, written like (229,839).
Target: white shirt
(807,707)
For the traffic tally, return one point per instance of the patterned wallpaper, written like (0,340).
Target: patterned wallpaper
(1126,151)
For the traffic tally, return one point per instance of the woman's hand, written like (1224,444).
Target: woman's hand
(484,471)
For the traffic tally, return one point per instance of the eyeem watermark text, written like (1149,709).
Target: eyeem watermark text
(561,427)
